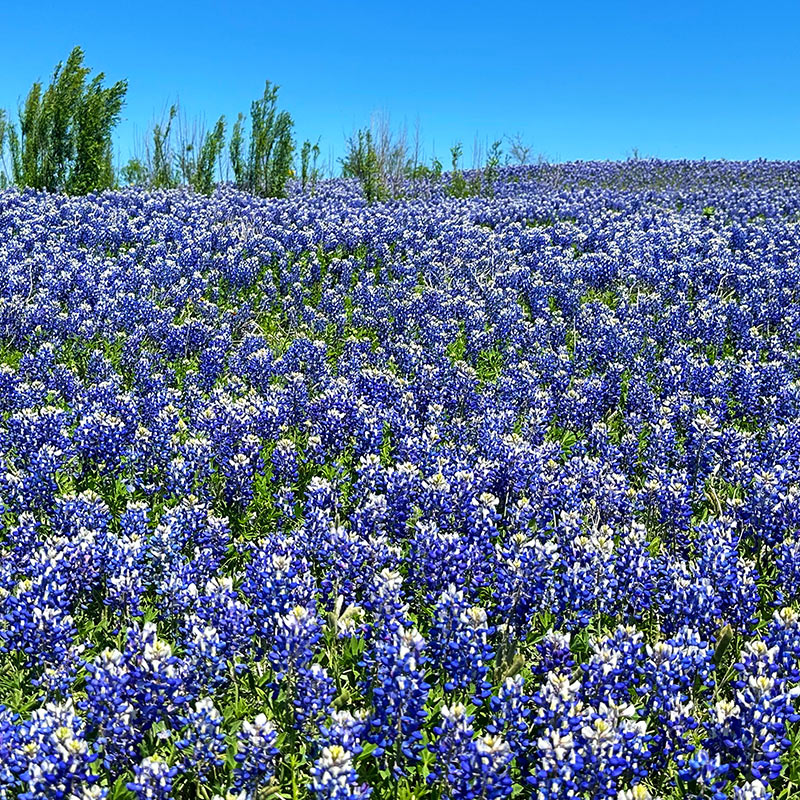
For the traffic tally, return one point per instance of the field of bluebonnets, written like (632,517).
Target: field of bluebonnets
(436,498)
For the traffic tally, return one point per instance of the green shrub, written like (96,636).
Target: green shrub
(63,142)
(309,171)
(192,161)
(200,155)
(266,167)
(458,183)
(362,162)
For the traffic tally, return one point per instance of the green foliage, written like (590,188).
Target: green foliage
(162,174)
(198,164)
(424,172)
(380,158)
(482,181)
(268,164)
(62,142)
(64,137)
(309,172)
(305,159)
(193,160)
(458,183)
(98,114)
(489,364)
(362,163)
(3,137)
(135,173)
(491,170)
(236,149)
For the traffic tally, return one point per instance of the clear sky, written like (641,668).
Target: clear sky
(580,80)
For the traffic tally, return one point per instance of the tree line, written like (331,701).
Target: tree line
(61,141)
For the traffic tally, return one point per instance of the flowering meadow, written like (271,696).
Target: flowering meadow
(441,498)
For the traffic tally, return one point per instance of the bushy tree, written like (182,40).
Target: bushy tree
(380,158)
(458,183)
(63,139)
(135,173)
(262,165)
(519,151)
(362,162)
(98,114)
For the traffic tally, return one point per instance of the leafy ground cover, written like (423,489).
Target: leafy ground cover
(438,498)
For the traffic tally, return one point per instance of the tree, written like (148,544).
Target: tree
(268,164)
(98,114)
(379,158)
(362,162)
(201,173)
(64,138)
(193,160)
(162,175)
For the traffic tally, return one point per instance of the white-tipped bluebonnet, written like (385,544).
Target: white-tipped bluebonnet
(333,776)
(255,755)
(152,779)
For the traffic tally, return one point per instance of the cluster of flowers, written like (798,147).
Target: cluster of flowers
(447,498)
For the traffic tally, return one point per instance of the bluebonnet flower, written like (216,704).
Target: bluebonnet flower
(706,774)
(511,713)
(524,574)
(296,636)
(459,643)
(749,730)
(552,761)
(613,744)
(590,582)
(334,777)
(126,572)
(313,694)
(277,578)
(152,780)
(782,641)
(576,402)
(219,607)
(256,755)
(202,742)
(397,686)
(470,767)
(37,623)
(189,471)
(53,756)
(347,729)
(100,439)
(285,467)
(612,666)
(456,560)
(206,656)
(669,674)
(733,577)
(752,790)
(554,654)
(142,683)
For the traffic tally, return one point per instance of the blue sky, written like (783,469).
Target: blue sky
(579,80)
